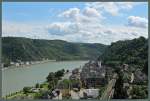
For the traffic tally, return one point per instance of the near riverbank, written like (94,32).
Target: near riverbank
(16,78)
(34,92)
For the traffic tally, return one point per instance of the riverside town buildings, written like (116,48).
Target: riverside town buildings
(93,74)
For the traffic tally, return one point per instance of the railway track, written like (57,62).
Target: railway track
(108,93)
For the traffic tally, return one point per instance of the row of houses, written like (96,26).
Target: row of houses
(93,74)
(20,63)
(88,80)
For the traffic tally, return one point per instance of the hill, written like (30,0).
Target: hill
(133,52)
(25,49)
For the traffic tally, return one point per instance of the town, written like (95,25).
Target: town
(20,63)
(92,81)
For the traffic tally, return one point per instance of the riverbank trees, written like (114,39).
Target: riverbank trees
(53,78)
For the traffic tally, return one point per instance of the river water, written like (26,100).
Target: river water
(15,79)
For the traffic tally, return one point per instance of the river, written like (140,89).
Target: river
(15,79)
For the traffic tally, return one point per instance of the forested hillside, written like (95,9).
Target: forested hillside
(25,49)
(133,52)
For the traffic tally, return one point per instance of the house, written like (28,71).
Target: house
(75,71)
(17,64)
(139,77)
(125,67)
(55,92)
(74,77)
(65,92)
(75,74)
(27,63)
(21,63)
(35,90)
(12,63)
(91,93)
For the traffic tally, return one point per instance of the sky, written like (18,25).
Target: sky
(86,22)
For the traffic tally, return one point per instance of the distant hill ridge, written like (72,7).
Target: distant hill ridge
(25,49)
(133,52)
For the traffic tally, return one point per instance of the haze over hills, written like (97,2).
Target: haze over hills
(25,49)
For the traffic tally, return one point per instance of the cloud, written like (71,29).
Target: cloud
(137,21)
(91,12)
(62,28)
(72,13)
(113,8)
(74,32)
(83,25)
(87,15)
(102,34)
(16,29)
(57,28)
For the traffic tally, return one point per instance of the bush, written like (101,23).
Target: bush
(37,85)
(59,73)
(139,92)
(27,90)
(101,91)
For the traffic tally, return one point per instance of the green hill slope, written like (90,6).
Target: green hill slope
(25,49)
(133,52)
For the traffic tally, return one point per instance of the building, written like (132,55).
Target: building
(93,74)
(12,63)
(17,64)
(27,63)
(125,67)
(75,74)
(91,93)
(139,77)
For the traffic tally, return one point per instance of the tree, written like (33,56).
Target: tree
(26,90)
(67,71)
(59,73)
(101,91)
(50,86)
(66,84)
(37,85)
(139,92)
(145,69)
(52,79)
(132,52)
(119,91)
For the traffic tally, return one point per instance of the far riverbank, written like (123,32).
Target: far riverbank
(35,63)
(27,65)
